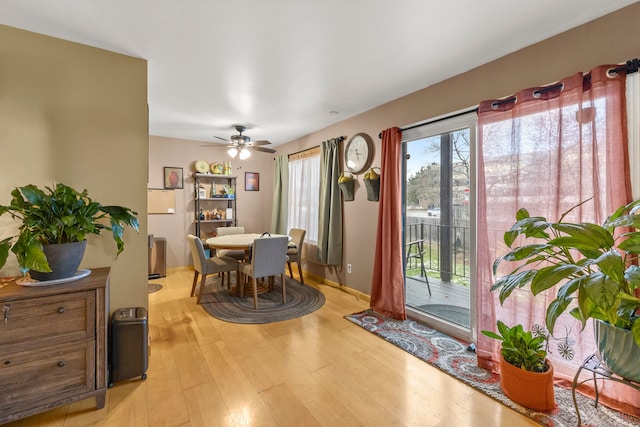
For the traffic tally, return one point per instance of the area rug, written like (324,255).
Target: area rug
(452,313)
(222,304)
(154,287)
(451,356)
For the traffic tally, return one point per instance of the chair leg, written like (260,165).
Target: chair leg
(202,282)
(290,270)
(195,281)
(300,272)
(255,293)
(424,273)
(284,289)
(241,285)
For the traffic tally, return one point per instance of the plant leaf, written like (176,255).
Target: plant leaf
(612,265)
(508,283)
(5,246)
(635,330)
(547,277)
(632,274)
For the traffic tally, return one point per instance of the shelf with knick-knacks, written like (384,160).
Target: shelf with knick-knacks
(214,201)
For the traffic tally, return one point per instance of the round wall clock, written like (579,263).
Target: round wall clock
(358,153)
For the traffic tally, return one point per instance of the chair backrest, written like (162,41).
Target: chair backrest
(197,253)
(225,231)
(297,237)
(269,256)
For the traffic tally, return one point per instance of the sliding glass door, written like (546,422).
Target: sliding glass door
(439,224)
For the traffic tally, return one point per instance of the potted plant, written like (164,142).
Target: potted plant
(54,218)
(594,266)
(526,375)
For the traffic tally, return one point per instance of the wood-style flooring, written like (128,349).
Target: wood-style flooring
(318,370)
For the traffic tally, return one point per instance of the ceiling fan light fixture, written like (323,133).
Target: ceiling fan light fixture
(233,152)
(244,153)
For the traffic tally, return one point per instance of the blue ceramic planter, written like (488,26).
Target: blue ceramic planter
(617,350)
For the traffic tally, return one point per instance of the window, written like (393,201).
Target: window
(304,194)
(439,206)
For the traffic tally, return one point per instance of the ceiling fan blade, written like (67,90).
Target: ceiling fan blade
(260,142)
(223,139)
(266,150)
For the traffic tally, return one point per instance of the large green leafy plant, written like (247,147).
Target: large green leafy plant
(58,215)
(593,264)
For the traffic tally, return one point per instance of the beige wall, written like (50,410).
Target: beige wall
(78,115)
(253,207)
(606,40)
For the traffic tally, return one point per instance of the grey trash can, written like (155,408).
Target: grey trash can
(129,346)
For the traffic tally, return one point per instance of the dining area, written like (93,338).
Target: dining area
(257,260)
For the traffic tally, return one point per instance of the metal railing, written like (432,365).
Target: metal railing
(457,243)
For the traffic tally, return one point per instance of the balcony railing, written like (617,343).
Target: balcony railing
(440,239)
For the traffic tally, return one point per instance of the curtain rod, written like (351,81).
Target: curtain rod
(302,151)
(630,67)
(340,139)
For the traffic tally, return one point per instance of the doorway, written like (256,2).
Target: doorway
(439,224)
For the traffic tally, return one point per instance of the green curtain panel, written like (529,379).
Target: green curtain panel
(280,195)
(330,215)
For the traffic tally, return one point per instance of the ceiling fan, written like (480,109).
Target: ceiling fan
(241,144)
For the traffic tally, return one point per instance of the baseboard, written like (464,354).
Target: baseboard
(179,269)
(358,294)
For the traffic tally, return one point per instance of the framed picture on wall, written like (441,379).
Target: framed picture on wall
(251,181)
(173,178)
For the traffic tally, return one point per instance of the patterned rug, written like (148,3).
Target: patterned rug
(225,305)
(451,356)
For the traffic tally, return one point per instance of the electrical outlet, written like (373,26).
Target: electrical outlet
(349,268)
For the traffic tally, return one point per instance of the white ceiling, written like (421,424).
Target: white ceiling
(282,66)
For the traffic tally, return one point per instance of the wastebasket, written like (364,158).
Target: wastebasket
(129,345)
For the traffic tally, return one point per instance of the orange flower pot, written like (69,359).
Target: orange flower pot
(532,390)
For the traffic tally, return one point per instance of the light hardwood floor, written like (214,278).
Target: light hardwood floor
(318,370)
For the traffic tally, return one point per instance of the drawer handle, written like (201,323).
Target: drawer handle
(60,310)
(7,362)
(61,364)
(5,312)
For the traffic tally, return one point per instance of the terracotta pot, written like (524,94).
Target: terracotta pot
(532,390)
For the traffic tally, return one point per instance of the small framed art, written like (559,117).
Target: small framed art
(173,178)
(251,181)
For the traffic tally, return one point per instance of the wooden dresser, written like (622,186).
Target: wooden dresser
(53,345)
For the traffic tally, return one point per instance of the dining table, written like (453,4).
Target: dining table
(241,242)
(237,241)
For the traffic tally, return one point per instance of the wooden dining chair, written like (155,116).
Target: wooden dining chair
(294,250)
(268,259)
(205,266)
(233,253)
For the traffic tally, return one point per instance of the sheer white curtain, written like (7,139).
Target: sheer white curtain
(304,196)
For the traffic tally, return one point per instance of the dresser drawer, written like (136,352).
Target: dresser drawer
(46,376)
(37,322)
